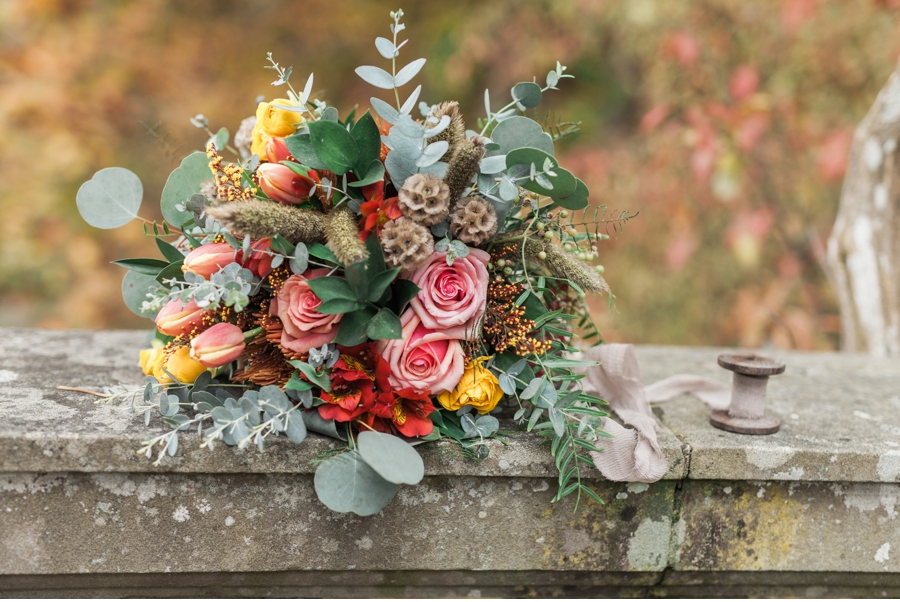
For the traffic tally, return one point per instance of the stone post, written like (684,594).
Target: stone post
(864,247)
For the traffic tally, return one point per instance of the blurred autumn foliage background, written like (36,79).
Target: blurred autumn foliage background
(726,123)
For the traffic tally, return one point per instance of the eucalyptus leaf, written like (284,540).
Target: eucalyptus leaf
(295,427)
(111,198)
(317,424)
(399,168)
(405,75)
(520,132)
(407,107)
(135,287)
(386,48)
(384,110)
(299,261)
(391,457)
(433,153)
(558,420)
(345,483)
(376,76)
(527,94)
(493,165)
(184,182)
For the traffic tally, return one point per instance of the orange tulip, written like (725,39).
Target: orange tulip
(175,319)
(218,346)
(208,259)
(281,184)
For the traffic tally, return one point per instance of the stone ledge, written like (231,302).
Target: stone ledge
(817,498)
(43,429)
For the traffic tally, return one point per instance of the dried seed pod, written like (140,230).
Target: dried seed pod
(425,198)
(564,265)
(473,220)
(243,138)
(210,190)
(406,244)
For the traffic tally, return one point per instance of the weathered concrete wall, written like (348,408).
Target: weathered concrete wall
(810,511)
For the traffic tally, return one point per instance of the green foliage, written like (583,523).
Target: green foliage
(111,198)
(184,182)
(149,267)
(135,287)
(346,483)
(392,458)
(334,146)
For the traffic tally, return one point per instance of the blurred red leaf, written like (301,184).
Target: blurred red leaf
(653,118)
(833,154)
(681,250)
(750,130)
(794,13)
(684,47)
(744,82)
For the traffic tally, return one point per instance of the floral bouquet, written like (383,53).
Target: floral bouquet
(383,279)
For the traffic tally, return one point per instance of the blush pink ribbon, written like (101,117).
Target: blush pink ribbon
(634,454)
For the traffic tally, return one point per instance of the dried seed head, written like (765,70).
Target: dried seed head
(425,198)
(406,244)
(464,166)
(343,235)
(473,220)
(455,134)
(265,219)
(243,138)
(210,190)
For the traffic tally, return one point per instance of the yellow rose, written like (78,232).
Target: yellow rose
(273,122)
(478,388)
(152,361)
(178,363)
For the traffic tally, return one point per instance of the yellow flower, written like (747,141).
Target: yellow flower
(273,122)
(178,363)
(478,388)
(152,360)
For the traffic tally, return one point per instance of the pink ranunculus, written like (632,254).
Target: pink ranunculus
(424,359)
(452,295)
(174,319)
(218,346)
(295,305)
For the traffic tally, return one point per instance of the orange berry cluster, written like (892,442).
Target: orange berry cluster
(229,178)
(277,278)
(504,322)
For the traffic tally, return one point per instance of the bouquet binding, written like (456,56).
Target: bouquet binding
(383,280)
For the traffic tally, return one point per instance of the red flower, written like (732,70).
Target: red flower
(404,411)
(377,210)
(361,389)
(356,379)
(258,260)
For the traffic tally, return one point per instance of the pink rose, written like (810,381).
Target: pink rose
(452,295)
(295,305)
(425,360)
